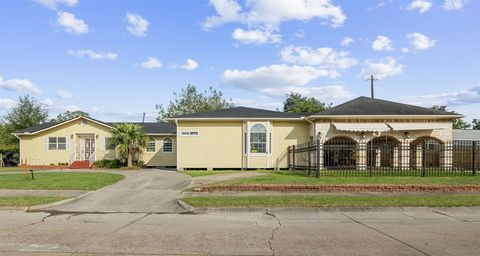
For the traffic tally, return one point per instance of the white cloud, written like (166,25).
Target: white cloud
(6,103)
(270,13)
(405,50)
(347,41)
(275,80)
(256,36)
(381,69)
(449,5)
(72,108)
(64,94)
(137,25)
(420,41)
(421,5)
(93,54)
(189,65)
(324,57)
(382,43)
(463,97)
(47,102)
(71,24)
(151,63)
(19,85)
(53,4)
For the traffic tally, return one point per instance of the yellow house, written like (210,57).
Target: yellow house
(82,140)
(248,138)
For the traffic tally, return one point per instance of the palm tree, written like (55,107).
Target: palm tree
(129,140)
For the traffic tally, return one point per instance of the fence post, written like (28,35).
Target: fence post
(474,158)
(288,158)
(318,158)
(293,158)
(309,158)
(424,161)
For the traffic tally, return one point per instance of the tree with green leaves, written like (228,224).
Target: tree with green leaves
(476,124)
(190,100)
(298,104)
(458,123)
(27,113)
(129,140)
(67,115)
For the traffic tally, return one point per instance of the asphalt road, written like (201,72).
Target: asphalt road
(409,231)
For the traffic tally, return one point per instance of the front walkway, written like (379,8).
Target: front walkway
(143,191)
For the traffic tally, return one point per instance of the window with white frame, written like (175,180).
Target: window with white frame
(57,143)
(151,146)
(167,145)
(258,139)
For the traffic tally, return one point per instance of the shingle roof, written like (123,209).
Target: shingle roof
(149,128)
(369,106)
(466,134)
(241,112)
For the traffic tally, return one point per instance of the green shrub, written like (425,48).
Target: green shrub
(139,163)
(109,163)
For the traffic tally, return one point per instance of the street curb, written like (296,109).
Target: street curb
(38,208)
(187,207)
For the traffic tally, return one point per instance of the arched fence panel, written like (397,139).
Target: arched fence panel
(343,156)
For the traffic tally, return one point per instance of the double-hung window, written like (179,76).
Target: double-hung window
(151,146)
(57,143)
(258,139)
(167,145)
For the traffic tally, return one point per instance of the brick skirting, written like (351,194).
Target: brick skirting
(342,188)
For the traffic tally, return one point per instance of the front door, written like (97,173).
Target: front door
(89,147)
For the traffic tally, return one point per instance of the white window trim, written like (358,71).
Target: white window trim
(269,131)
(163,148)
(155,147)
(47,141)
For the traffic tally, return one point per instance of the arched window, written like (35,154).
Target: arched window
(151,146)
(258,139)
(167,145)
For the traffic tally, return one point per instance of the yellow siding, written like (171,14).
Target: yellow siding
(160,158)
(218,145)
(286,134)
(34,152)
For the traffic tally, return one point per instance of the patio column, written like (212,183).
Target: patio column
(378,157)
(446,156)
(320,155)
(418,156)
(395,157)
(362,156)
(405,156)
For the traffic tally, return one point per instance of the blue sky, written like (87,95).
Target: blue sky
(116,59)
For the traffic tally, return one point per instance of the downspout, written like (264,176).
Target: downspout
(314,126)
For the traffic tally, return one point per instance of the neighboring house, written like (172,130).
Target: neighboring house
(248,138)
(85,139)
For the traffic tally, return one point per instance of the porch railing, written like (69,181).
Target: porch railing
(91,160)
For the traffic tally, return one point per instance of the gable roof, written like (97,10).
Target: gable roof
(364,106)
(149,128)
(240,113)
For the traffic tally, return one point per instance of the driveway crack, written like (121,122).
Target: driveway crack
(384,234)
(272,234)
(132,222)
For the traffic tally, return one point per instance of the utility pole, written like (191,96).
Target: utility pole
(143,119)
(372,79)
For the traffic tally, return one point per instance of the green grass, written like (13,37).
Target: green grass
(286,177)
(206,173)
(336,201)
(59,180)
(28,200)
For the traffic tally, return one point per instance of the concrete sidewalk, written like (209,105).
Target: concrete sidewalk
(62,193)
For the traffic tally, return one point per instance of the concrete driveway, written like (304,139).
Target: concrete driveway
(143,191)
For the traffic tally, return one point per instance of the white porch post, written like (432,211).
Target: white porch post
(395,156)
(446,156)
(320,155)
(418,156)
(378,157)
(405,156)
(362,156)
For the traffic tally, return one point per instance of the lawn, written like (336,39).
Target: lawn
(287,177)
(59,180)
(206,173)
(28,200)
(336,201)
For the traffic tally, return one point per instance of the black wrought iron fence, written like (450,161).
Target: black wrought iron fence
(385,157)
